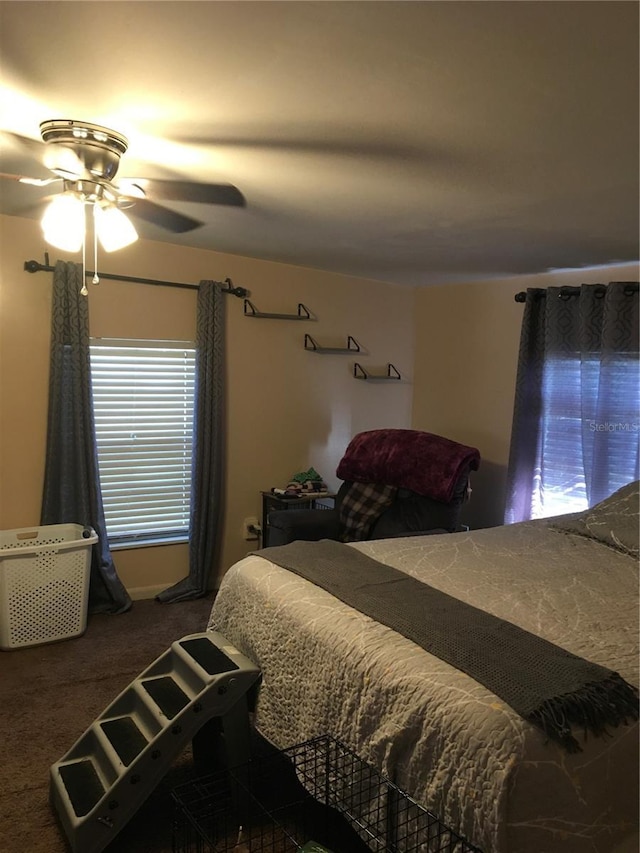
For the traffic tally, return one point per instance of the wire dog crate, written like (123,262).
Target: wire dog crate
(317,796)
(44,583)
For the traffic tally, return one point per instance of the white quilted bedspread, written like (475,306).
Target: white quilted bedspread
(435,732)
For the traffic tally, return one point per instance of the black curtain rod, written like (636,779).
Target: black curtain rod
(566,292)
(35,266)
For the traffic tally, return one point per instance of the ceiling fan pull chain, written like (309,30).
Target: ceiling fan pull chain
(84,290)
(95,279)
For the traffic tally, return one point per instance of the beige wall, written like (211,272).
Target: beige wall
(467,339)
(456,346)
(287,409)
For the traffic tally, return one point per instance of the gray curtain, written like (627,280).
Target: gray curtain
(591,330)
(72,482)
(207,469)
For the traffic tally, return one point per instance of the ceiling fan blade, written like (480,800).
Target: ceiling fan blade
(170,220)
(35,147)
(24,179)
(315,141)
(190,191)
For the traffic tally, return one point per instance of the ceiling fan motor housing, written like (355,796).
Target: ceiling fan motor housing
(83,150)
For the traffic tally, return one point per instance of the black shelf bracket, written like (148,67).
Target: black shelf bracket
(250,310)
(313,346)
(392,374)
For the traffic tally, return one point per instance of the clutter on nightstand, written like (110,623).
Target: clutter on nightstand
(303,484)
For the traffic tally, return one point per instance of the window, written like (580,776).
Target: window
(573,442)
(576,417)
(143,395)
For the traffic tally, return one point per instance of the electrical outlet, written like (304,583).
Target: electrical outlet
(250,528)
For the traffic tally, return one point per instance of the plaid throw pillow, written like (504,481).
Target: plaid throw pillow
(360,508)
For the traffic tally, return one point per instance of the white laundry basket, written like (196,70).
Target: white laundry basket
(44,583)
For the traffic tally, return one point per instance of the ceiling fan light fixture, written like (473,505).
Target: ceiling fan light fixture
(63,223)
(115,230)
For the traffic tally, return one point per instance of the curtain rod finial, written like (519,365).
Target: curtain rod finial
(235,291)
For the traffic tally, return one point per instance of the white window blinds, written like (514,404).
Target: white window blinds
(143,395)
(574,438)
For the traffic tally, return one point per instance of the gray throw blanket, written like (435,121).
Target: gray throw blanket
(548,686)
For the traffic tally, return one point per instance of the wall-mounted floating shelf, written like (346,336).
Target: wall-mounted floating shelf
(314,346)
(250,310)
(392,374)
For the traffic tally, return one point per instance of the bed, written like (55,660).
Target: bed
(437,733)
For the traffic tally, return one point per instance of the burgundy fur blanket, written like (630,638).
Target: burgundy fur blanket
(409,459)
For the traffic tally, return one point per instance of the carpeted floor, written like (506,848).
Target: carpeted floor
(50,694)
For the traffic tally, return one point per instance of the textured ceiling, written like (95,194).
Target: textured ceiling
(412,142)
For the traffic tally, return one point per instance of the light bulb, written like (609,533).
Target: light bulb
(63,223)
(115,230)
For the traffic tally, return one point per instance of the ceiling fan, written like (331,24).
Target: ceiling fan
(84,158)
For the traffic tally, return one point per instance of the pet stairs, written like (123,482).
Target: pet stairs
(117,763)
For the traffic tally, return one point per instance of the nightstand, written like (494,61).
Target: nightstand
(308,500)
